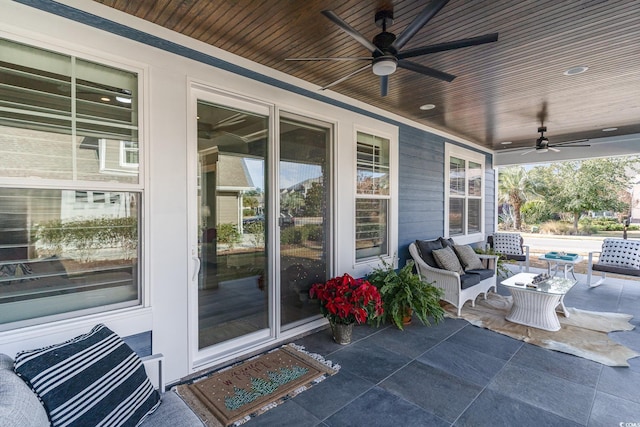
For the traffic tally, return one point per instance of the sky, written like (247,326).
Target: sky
(290,173)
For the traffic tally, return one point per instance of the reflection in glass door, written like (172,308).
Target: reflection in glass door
(233,290)
(304,214)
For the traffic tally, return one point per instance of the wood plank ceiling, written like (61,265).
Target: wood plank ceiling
(502,89)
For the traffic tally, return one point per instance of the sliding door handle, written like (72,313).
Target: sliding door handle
(196,268)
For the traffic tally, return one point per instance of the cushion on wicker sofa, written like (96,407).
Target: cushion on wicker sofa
(425,249)
(484,273)
(468,257)
(446,242)
(468,280)
(447,259)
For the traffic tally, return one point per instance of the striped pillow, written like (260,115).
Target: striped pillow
(93,379)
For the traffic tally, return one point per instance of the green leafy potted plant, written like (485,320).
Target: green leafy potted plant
(403,294)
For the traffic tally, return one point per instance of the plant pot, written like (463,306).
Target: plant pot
(406,319)
(342,333)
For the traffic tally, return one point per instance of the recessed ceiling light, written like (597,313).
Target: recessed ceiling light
(105,99)
(609,129)
(506,142)
(427,107)
(576,70)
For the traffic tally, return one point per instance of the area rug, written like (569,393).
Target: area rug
(583,333)
(233,395)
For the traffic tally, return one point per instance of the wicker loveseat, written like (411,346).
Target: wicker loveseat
(458,288)
(618,256)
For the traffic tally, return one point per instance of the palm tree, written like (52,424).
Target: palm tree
(514,188)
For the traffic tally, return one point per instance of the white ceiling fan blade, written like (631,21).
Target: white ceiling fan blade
(340,80)
(527,152)
(566,143)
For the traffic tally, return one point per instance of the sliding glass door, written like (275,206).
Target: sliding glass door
(305,207)
(233,288)
(262,226)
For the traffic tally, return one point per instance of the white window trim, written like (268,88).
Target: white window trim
(363,266)
(451,150)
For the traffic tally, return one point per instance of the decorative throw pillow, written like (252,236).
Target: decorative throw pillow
(93,379)
(507,243)
(468,257)
(425,249)
(620,253)
(448,260)
(446,242)
(19,406)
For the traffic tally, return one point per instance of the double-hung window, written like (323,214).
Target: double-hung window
(70,188)
(373,196)
(464,194)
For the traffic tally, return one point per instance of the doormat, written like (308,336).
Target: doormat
(233,395)
(583,333)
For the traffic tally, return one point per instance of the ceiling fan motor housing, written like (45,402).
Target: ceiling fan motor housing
(384,19)
(383,41)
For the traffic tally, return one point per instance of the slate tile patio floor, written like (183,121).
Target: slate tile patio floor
(455,374)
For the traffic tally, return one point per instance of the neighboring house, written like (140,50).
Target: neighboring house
(158,101)
(233,181)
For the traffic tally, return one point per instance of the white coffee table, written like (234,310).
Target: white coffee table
(554,264)
(536,307)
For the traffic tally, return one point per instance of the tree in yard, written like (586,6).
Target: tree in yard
(515,188)
(292,202)
(313,200)
(590,185)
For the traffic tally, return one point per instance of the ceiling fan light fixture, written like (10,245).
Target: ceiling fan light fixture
(384,65)
(609,129)
(426,107)
(542,150)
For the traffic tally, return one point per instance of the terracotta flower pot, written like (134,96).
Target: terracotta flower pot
(406,319)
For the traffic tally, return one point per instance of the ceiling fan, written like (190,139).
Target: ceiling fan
(543,145)
(386,54)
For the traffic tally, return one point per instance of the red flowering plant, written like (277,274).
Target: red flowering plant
(347,300)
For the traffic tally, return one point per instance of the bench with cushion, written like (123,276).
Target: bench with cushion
(511,247)
(456,269)
(97,377)
(618,256)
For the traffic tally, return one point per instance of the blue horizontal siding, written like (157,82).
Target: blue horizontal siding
(421,184)
(421,188)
